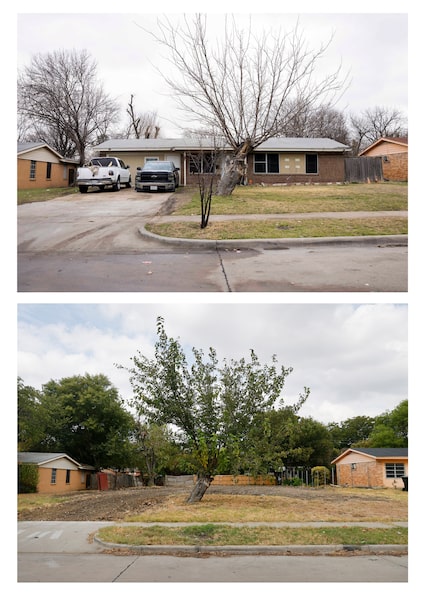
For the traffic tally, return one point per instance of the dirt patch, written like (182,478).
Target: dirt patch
(120,504)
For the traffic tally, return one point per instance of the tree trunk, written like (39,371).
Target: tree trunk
(200,488)
(234,172)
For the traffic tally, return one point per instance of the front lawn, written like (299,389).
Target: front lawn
(302,199)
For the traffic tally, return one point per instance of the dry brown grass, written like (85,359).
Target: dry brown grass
(329,504)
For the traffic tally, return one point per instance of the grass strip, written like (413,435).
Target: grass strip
(283,229)
(33,195)
(218,535)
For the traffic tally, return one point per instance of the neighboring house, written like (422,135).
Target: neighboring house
(394,154)
(277,161)
(383,467)
(40,166)
(58,473)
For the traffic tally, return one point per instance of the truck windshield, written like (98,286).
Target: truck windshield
(158,165)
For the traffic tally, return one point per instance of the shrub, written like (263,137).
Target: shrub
(320,476)
(293,482)
(28,477)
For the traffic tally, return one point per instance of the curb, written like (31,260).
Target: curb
(269,244)
(258,550)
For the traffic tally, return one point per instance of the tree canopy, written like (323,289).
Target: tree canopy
(82,416)
(217,409)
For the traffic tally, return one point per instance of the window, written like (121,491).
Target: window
(394,470)
(32,169)
(266,163)
(202,163)
(67,476)
(53,476)
(48,170)
(311,163)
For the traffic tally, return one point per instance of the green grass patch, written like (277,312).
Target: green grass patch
(31,195)
(283,229)
(217,535)
(28,501)
(304,199)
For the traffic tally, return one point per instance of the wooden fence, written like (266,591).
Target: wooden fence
(363,169)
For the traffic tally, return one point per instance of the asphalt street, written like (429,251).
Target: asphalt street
(97,243)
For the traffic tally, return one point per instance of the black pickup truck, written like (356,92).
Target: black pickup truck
(157,176)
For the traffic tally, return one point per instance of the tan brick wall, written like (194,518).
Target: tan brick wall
(241,480)
(77,481)
(59,175)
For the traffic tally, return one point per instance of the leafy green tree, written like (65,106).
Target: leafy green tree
(311,444)
(153,448)
(31,417)
(85,418)
(298,441)
(217,410)
(353,431)
(391,428)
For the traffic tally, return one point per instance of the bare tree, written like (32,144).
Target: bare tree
(59,93)
(322,121)
(239,87)
(142,125)
(375,123)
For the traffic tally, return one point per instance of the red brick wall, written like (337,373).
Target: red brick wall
(365,474)
(330,166)
(396,166)
(330,169)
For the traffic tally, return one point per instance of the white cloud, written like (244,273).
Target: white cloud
(353,358)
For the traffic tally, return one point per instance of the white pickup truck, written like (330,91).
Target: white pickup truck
(103,172)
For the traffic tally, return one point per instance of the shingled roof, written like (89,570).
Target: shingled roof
(377,453)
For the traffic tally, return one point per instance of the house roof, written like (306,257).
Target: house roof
(398,140)
(34,146)
(42,458)
(193,144)
(376,453)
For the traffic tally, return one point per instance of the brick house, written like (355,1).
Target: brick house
(40,166)
(276,161)
(377,467)
(394,154)
(58,473)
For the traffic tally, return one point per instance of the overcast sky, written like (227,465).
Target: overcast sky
(372,48)
(352,357)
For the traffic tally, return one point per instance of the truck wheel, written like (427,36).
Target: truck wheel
(117,185)
(83,189)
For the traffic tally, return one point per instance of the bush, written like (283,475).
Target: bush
(293,482)
(28,477)
(320,476)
